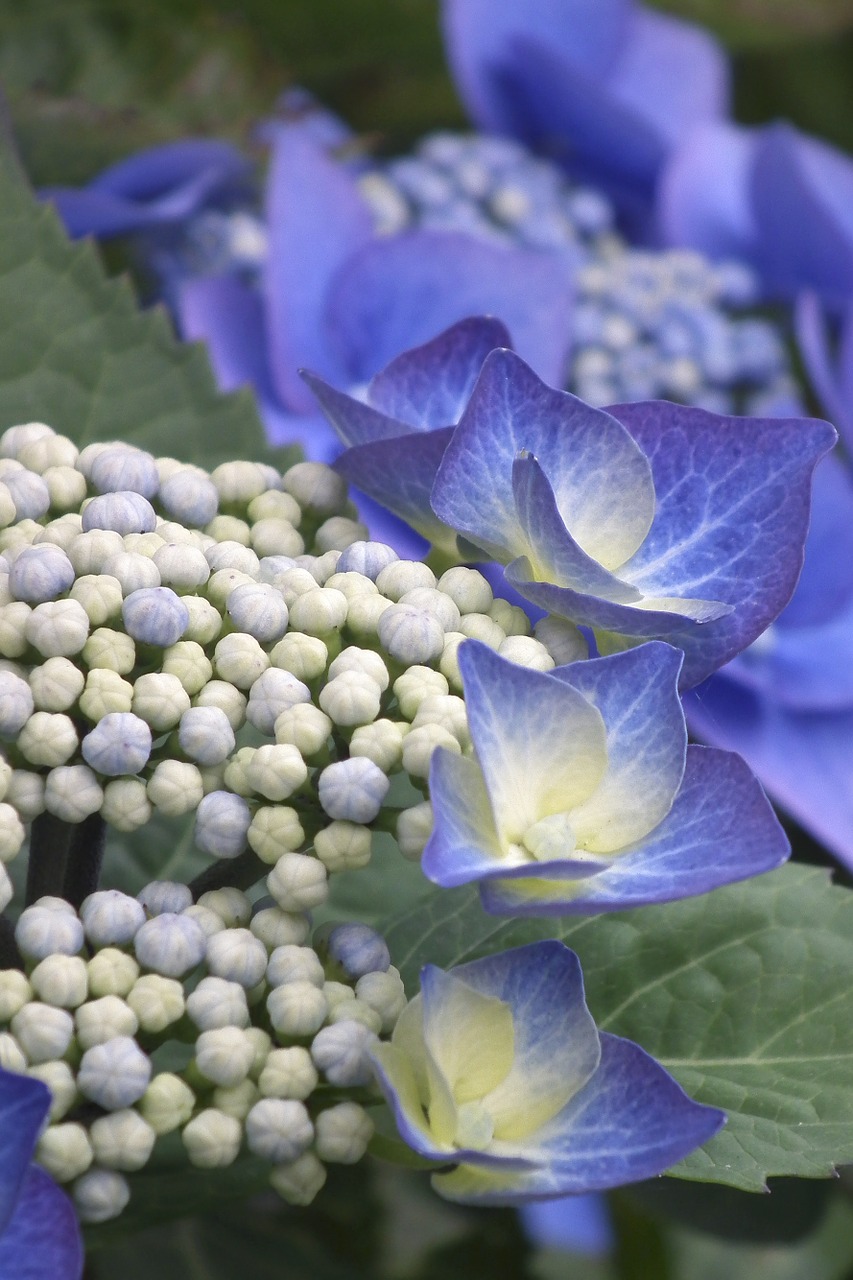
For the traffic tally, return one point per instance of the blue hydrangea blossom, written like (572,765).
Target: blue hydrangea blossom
(583,796)
(498,1070)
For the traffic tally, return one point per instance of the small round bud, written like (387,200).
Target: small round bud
(277,928)
(155,615)
(111,973)
(42,931)
(368,558)
(414,828)
(182,568)
(187,662)
(25,793)
(170,944)
(358,949)
(60,980)
(416,684)
(14,619)
(343,846)
(56,684)
(104,1019)
(57,628)
(110,650)
(114,1074)
(353,789)
(132,571)
(238,956)
(445,710)
(90,551)
(288,1073)
(208,921)
(190,496)
(23,434)
(48,739)
(299,1181)
(217,1002)
(29,492)
(59,1078)
(222,824)
(236,1101)
(383,992)
(319,612)
(218,693)
(122,1140)
(279,1129)
(40,573)
(295,964)
(526,652)
(338,533)
(341,1053)
(167,1103)
(12,1055)
(175,788)
(99,1195)
(510,618)
(161,896)
(16,704)
(43,1031)
(411,635)
(298,882)
(224,1055)
(562,639)
(468,590)
(297,1009)
(276,771)
(15,992)
(205,621)
(230,904)
(119,743)
(126,806)
(212,1139)
(240,660)
(109,916)
(123,467)
(351,698)
(12,833)
(274,505)
(156,1001)
(259,610)
(419,744)
(304,727)
(234,775)
(72,792)
(160,700)
(274,692)
(316,487)
(275,829)
(343,1133)
(381,742)
(64,1151)
(121,512)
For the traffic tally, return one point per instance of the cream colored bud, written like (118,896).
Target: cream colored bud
(299,1181)
(205,621)
(338,533)
(48,739)
(113,650)
(416,684)
(175,788)
(479,626)
(160,700)
(221,694)
(167,1103)
(59,1078)
(60,980)
(319,612)
(188,662)
(126,805)
(111,973)
(419,744)
(304,727)
(103,1019)
(156,1001)
(64,1151)
(212,1139)
(105,692)
(343,846)
(381,742)
(527,652)
(303,656)
(513,620)
(122,1140)
(15,992)
(56,684)
(275,830)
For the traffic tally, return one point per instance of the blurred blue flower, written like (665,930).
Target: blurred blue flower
(572,1224)
(773,196)
(39,1236)
(498,1070)
(828,364)
(608,87)
(583,796)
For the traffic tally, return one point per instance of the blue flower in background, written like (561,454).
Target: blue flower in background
(39,1236)
(608,87)
(498,1069)
(573,1224)
(583,795)
(774,197)
(830,370)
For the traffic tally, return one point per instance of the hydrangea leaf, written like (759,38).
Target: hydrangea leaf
(745,996)
(75,350)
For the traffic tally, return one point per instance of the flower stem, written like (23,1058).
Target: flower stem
(50,838)
(85,858)
(238,873)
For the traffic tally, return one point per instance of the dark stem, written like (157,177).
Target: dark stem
(49,841)
(10,956)
(85,859)
(235,873)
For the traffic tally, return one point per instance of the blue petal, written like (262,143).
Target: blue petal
(464,841)
(631,1121)
(833,386)
(601,481)
(24,1104)
(574,1224)
(703,197)
(807,668)
(637,695)
(42,1242)
(400,291)
(430,385)
(825,588)
(355,422)
(316,220)
(720,829)
(481,35)
(802,758)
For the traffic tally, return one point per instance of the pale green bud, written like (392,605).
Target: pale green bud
(288,1073)
(239,659)
(126,805)
(143,544)
(416,684)
(297,1009)
(240,482)
(61,980)
(57,628)
(43,1031)
(105,692)
(316,487)
(238,956)
(384,993)
(343,1133)
(62,531)
(339,532)
(275,830)
(513,620)
(56,684)
(232,905)
(468,590)
(221,694)
(235,773)
(37,454)
(111,973)
(562,639)
(113,650)
(352,585)
(226,554)
(275,927)
(303,656)
(208,921)
(15,992)
(355,1010)
(122,1140)
(212,1139)
(381,742)
(299,1181)
(12,1057)
(304,727)
(25,793)
(448,663)
(319,612)
(479,626)
(205,621)
(224,1055)
(276,771)
(175,788)
(90,551)
(274,536)
(236,1100)
(275,505)
(419,744)
(295,964)
(343,846)
(223,582)
(188,662)
(104,1019)
(64,1151)
(279,1129)
(527,652)
(167,1103)
(293,583)
(229,529)
(14,619)
(133,571)
(182,568)
(156,1001)
(414,828)
(59,1078)
(217,1002)
(160,700)
(72,792)
(48,739)
(351,698)
(12,832)
(448,711)
(298,882)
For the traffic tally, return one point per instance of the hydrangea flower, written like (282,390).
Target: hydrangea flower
(609,87)
(648,520)
(497,1068)
(39,1237)
(583,796)
(830,370)
(774,197)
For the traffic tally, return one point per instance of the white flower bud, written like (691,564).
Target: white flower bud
(367,558)
(338,533)
(15,992)
(218,693)
(293,583)
(381,742)
(114,1074)
(155,615)
(304,727)
(157,1001)
(56,684)
(187,662)
(25,793)
(274,692)
(432,601)
(238,956)
(132,571)
(303,656)
(190,496)
(232,905)
(353,789)
(16,704)
(60,980)
(234,775)
(122,1140)
(351,699)
(48,739)
(208,921)
(321,567)
(527,652)
(30,494)
(354,1010)
(352,585)
(180,567)
(261,1040)
(217,1002)
(562,639)
(64,1151)
(167,1103)
(240,660)
(383,992)
(275,830)
(40,573)
(236,1101)
(124,468)
(510,617)
(364,615)
(297,1009)
(295,964)
(13,629)
(299,1181)
(126,806)
(221,584)
(99,1195)
(222,823)
(110,650)
(274,505)
(279,1129)
(212,1139)
(416,684)
(43,1031)
(319,612)
(340,1052)
(48,451)
(226,554)
(110,916)
(175,788)
(316,487)
(343,1133)
(12,1056)
(401,576)
(170,945)
(445,710)
(468,589)
(120,512)
(90,551)
(271,569)
(224,1055)
(112,973)
(103,1019)
(479,626)
(59,1078)
(240,482)
(57,628)
(161,896)
(366,661)
(276,928)
(119,743)
(42,931)
(419,744)
(12,833)
(18,437)
(343,846)
(205,621)
(298,882)
(288,1073)
(105,693)
(160,700)
(273,536)
(337,993)
(276,771)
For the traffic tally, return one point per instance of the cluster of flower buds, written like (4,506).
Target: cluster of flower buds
(274,1030)
(171,647)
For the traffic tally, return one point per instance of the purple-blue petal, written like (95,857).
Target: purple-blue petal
(703,197)
(398,474)
(42,1241)
(354,422)
(573,1224)
(24,1104)
(832,380)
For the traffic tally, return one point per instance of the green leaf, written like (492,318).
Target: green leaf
(745,995)
(77,353)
